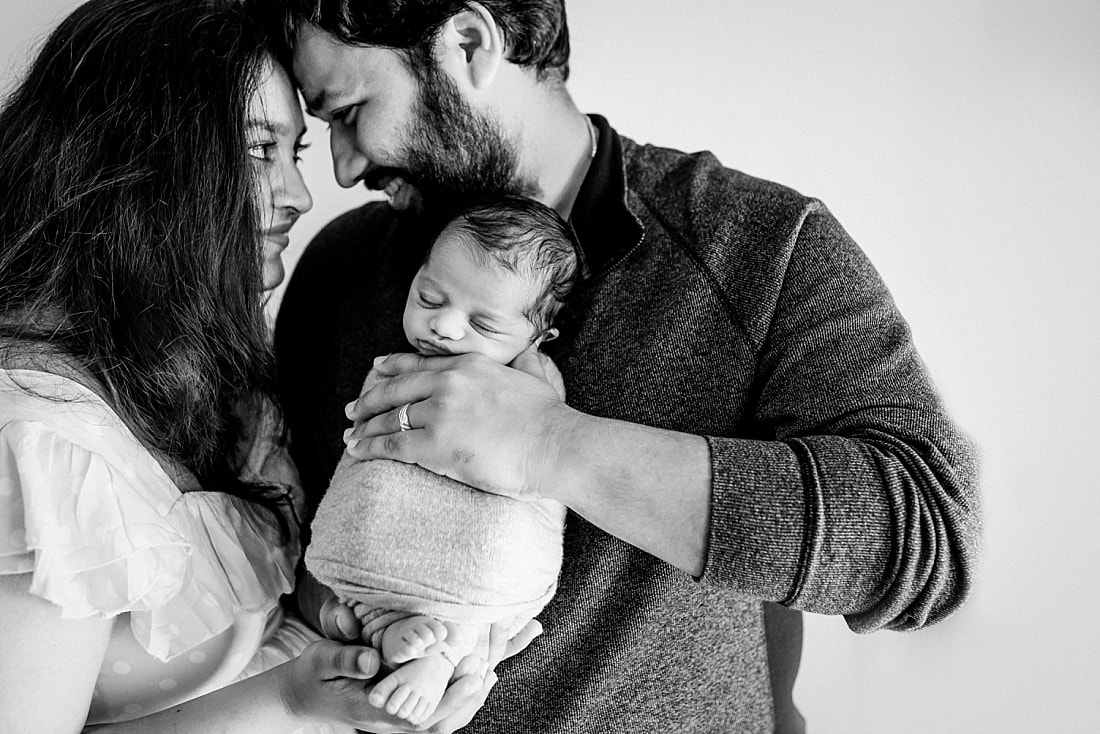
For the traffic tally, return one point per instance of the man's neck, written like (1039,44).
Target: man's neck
(554,139)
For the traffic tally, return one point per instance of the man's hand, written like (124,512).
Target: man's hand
(496,428)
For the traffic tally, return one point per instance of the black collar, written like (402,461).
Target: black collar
(604,224)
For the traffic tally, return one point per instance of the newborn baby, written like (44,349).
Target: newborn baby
(426,562)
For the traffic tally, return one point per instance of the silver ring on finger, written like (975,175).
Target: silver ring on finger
(403,417)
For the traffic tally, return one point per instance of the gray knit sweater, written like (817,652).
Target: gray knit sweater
(716,304)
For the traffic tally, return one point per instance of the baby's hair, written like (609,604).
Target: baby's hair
(525,237)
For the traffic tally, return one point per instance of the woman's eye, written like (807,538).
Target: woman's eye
(261,151)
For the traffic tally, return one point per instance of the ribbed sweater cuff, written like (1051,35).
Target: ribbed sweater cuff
(757,518)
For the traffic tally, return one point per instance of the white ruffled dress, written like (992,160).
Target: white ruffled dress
(192,579)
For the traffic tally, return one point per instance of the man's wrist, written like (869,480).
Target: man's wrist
(564,465)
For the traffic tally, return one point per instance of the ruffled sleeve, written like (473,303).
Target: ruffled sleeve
(94,545)
(104,531)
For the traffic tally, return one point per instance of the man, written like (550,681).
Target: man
(750,431)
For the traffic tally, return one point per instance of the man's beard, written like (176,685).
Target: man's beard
(453,152)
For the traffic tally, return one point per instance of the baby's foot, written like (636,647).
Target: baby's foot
(413,691)
(361,610)
(408,638)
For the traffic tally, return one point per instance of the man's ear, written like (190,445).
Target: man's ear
(471,45)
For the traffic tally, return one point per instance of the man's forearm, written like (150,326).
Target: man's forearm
(646,486)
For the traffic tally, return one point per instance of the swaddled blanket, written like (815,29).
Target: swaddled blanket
(397,537)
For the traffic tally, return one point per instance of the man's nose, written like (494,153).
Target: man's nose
(348,163)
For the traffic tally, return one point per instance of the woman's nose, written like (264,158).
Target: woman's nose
(295,193)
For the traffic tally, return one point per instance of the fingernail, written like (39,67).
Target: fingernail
(348,409)
(353,443)
(347,434)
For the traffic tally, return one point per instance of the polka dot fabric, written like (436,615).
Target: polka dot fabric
(191,579)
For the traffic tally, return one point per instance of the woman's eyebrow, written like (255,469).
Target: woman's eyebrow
(275,128)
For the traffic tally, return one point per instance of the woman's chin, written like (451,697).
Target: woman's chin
(273,273)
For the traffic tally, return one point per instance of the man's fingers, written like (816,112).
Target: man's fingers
(401,446)
(400,419)
(389,394)
(398,364)
(528,361)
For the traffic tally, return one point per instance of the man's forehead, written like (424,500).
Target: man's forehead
(327,69)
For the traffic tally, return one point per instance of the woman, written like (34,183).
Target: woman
(148,520)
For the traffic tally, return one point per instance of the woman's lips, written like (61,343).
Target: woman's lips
(279,235)
(281,241)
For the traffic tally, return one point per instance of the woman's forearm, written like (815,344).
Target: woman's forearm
(260,704)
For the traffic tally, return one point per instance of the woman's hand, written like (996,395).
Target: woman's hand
(332,682)
(338,621)
(324,612)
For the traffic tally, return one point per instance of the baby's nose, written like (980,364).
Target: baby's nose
(448,325)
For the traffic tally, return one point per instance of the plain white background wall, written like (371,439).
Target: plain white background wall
(959,142)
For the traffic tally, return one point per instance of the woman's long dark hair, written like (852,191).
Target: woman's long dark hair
(128,236)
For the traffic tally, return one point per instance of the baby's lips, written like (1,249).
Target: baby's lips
(392,184)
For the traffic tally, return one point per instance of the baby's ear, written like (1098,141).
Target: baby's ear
(547,336)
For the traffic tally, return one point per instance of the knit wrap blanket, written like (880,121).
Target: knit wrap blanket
(398,537)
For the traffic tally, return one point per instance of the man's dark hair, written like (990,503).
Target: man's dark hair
(524,237)
(130,243)
(535,31)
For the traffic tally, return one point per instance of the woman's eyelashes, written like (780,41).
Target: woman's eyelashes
(263,150)
(268,150)
(299,148)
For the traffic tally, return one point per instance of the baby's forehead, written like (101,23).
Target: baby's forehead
(499,264)
(499,286)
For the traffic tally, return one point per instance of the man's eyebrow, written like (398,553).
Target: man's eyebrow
(316,104)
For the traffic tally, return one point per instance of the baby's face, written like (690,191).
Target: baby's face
(458,304)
